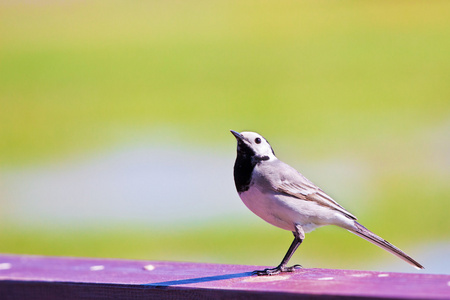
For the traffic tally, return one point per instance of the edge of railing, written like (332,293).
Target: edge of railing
(42,277)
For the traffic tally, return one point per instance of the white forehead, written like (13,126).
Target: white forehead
(251,135)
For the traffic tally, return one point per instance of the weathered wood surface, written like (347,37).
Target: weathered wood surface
(38,277)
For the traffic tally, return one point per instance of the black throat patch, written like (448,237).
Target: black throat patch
(243,167)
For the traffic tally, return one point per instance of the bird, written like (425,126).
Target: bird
(283,197)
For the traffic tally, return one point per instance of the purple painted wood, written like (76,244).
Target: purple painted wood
(37,277)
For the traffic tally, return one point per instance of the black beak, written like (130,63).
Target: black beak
(237,135)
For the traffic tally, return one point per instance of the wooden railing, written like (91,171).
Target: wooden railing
(38,277)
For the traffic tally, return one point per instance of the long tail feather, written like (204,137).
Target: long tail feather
(376,240)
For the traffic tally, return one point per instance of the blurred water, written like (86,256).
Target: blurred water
(144,183)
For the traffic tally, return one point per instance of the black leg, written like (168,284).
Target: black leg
(282,266)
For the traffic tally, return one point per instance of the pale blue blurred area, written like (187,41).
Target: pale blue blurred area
(147,183)
(150,184)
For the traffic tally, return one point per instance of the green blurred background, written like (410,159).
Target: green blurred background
(355,94)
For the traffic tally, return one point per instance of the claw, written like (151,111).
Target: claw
(269,272)
(276,270)
(293,268)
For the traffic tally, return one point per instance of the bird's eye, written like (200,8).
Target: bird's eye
(258,140)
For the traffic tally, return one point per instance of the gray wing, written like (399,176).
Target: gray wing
(293,183)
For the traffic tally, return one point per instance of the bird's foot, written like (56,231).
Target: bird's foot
(276,270)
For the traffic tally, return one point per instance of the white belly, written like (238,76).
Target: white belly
(286,212)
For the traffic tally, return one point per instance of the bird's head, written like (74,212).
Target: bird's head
(254,145)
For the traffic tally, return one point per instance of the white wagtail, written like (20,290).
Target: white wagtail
(283,197)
